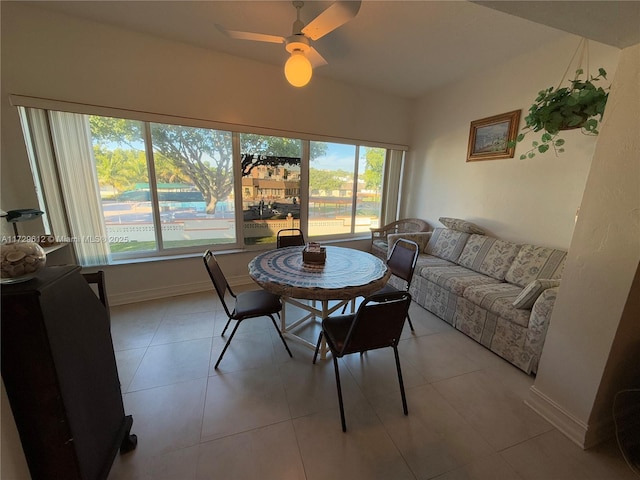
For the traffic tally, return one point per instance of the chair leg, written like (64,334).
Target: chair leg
(335,366)
(226,345)
(315,355)
(273,320)
(353,304)
(225,327)
(404,398)
(410,324)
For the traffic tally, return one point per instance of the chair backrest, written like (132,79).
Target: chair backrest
(378,322)
(402,259)
(290,237)
(217,278)
(97,279)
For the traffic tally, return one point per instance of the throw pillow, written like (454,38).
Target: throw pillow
(446,243)
(535,262)
(488,255)
(531,292)
(460,225)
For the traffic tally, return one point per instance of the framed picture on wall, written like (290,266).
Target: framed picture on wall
(489,137)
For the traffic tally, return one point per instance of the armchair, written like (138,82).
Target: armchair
(379,240)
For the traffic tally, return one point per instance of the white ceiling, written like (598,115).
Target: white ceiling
(401,47)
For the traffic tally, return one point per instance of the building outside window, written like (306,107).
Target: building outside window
(345,188)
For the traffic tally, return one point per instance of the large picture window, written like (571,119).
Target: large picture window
(129,189)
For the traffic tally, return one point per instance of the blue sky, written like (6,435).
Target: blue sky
(339,156)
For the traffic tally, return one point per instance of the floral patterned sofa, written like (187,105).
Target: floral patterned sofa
(497,292)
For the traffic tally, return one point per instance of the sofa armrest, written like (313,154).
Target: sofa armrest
(421,238)
(539,321)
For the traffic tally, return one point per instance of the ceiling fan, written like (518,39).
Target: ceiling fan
(299,67)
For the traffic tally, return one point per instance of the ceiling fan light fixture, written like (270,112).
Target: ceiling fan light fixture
(298,69)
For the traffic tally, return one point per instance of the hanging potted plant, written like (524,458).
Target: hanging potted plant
(580,105)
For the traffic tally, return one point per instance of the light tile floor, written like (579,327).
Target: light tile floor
(263,415)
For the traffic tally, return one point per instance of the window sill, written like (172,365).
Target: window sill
(184,256)
(160,258)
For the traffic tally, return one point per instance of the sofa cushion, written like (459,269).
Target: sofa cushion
(456,279)
(460,225)
(534,262)
(498,298)
(531,292)
(488,255)
(446,243)
(425,260)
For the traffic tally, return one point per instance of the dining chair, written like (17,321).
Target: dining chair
(290,237)
(377,324)
(402,263)
(251,304)
(98,279)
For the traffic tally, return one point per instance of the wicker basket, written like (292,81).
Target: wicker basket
(314,258)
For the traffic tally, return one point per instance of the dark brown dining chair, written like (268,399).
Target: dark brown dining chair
(377,324)
(97,279)
(290,237)
(251,304)
(402,263)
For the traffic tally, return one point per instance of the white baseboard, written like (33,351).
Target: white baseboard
(582,434)
(572,427)
(172,291)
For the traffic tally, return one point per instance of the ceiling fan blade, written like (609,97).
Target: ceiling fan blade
(315,58)
(258,37)
(336,15)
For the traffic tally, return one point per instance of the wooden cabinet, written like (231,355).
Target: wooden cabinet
(61,378)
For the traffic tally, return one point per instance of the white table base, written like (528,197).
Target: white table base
(314,315)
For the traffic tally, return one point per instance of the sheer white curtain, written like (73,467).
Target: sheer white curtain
(45,171)
(61,151)
(78,180)
(392,186)
(65,168)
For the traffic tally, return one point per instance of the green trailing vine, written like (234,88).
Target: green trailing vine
(580,105)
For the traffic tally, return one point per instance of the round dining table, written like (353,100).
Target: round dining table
(346,274)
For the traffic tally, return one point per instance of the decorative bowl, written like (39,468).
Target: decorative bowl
(20,261)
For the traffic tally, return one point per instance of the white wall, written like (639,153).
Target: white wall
(521,200)
(60,57)
(598,276)
(65,58)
